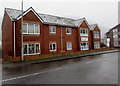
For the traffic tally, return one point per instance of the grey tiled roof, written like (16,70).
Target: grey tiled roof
(47,19)
(13,13)
(92,26)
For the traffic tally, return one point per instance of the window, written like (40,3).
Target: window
(115,36)
(83,32)
(24,49)
(69,46)
(84,46)
(52,46)
(96,34)
(24,28)
(37,28)
(37,48)
(52,29)
(115,43)
(96,45)
(68,31)
(84,39)
(29,28)
(31,49)
(115,30)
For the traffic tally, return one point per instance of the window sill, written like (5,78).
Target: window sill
(30,54)
(31,33)
(52,33)
(69,49)
(52,50)
(83,35)
(68,33)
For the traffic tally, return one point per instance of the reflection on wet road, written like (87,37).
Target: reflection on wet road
(98,69)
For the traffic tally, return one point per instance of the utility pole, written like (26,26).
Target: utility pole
(22,58)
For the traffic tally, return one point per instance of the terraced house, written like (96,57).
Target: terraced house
(43,34)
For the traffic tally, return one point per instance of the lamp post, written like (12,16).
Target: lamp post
(22,58)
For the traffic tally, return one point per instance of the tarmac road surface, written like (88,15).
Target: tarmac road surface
(98,69)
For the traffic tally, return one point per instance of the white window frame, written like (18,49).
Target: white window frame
(68,47)
(84,47)
(96,45)
(98,34)
(70,30)
(115,30)
(84,38)
(84,34)
(115,36)
(34,49)
(34,29)
(52,46)
(52,28)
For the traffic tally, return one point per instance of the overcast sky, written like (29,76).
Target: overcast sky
(102,12)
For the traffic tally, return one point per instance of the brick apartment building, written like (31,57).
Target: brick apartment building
(44,34)
(114,35)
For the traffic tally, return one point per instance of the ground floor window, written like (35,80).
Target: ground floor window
(52,46)
(29,49)
(84,46)
(69,46)
(96,45)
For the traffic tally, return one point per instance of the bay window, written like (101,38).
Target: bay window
(29,28)
(31,49)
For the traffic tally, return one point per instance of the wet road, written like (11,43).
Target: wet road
(98,69)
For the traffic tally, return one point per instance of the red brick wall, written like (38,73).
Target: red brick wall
(85,26)
(30,17)
(91,40)
(111,39)
(44,38)
(96,39)
(7,36)
(48,37)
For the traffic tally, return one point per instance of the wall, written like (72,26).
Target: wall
(7,36)
(30,17)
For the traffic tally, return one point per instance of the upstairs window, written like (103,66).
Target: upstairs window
(68,31)
(25,27)
(115,30)
(96,35)
(52,29)
(83,32)
(29,28)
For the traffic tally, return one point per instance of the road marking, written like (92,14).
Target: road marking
(95,60)
(24,76)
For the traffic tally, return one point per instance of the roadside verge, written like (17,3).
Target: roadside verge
(55,59)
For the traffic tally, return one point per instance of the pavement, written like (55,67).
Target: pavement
(54,59)
(94,69)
